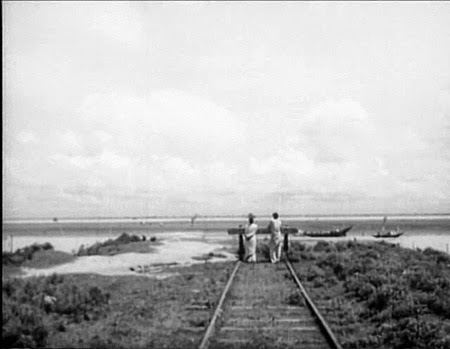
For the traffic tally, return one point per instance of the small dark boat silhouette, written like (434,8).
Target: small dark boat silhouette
(331,233)
(387,233)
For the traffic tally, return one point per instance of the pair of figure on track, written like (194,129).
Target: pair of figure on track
(275,238)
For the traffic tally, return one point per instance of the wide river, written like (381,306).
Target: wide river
(182,239)
(420,231)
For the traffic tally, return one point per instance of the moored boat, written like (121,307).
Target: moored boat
(387,233)
(331,233)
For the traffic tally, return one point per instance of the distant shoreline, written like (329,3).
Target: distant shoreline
(353,217)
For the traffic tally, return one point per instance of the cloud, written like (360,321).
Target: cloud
(106,160)
(27,137)
(334,137)
(185,151)
(337,131)
(160,104)
(168,122)
(121,22)
(337,148)
(69,142)
(167,141)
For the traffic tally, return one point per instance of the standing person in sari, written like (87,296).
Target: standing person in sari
(275,238)
(250,239)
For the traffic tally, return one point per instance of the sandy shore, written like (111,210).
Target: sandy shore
(179,249)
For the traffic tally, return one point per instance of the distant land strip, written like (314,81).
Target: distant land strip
(286,217)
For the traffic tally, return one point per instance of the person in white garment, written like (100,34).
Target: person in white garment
(275,238)
(250,239)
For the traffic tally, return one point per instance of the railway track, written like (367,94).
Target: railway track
(266,306)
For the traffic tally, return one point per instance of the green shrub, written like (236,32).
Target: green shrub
(109,246)
(403,309)
(307,255)
(295,298)
(47,246)
(321,246)
(419,281)
(328,260)
(126,238)
(22,325)
(376,279)
(300,247)
(439,303)
(359,288)
(26,304)
(314,272)
(341,246)
(414,333)
(339,271)
(23,254)
(379,299)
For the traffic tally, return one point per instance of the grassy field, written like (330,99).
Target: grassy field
(105,312)
(373,295)
(379,295)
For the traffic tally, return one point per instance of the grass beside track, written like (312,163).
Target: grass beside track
(379,295)
(112,311)
(373,296)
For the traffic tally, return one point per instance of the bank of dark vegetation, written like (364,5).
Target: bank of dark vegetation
(379,295)
(33,256)
(23,254)
(124,243)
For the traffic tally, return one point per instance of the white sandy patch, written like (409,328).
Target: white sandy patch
(173,251)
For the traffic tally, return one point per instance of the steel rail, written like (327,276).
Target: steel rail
(218,311)
(321,321)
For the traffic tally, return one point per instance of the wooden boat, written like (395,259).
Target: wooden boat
(387,233)
(331,233)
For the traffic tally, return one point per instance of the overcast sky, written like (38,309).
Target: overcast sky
(172,108)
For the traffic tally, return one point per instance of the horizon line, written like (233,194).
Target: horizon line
(223,216)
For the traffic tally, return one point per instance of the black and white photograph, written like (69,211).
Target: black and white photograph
(226,174)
